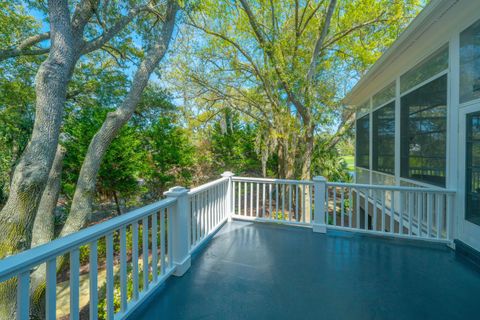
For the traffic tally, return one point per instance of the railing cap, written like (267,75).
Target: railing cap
(319,179)
(227,174)
(176,192)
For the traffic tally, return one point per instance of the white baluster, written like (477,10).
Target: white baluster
(74,284)
(123,269)
(50,292)
(135,260)
(23,298)
(109,281)
(93,281)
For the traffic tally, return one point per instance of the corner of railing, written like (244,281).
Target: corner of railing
(320,186)
(229,207)
(180,230)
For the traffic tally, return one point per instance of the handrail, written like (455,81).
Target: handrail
(271,180)
(391,188)
(206,186)
(26,260)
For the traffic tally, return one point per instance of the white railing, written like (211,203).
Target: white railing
(288,201)
(139,250)
(143,265)
(127,257)
(423,213)
(208,210)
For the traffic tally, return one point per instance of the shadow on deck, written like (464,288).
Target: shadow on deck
(265,271)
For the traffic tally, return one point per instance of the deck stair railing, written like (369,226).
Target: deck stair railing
(125,259)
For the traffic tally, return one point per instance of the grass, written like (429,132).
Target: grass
(350,160)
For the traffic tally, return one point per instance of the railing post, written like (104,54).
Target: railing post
(320,185)
(180,224)
(229,175)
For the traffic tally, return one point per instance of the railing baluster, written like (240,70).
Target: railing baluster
(258,199)
(392,212)
(439,215)
(263,200)
(400,218)
(245,198)
(290,203)
(109,280)
(145,252)
(304,210)
(93,281)
(383,209)
(74,284)
(357,192)
(51,289)
(251,199)
(411,208)
(366,209)
(170,237)
(270,201)
(276,200)
(342,206)
(283,201)
(162,241)
(23,298)
(350,205)
(429,214)
(419,214)
(135,260)
(123,269)
(334,205)
(155,246)
(297,204)
(233,197)
(374,213)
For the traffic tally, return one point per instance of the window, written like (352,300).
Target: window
(470,63)
(423,133)
(435,64)
(384,95)
(363,142)
(383,146)
(472,194)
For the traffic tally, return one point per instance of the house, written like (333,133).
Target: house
(418,112)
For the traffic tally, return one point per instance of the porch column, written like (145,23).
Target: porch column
(228,206)
(320,185)
(180,230)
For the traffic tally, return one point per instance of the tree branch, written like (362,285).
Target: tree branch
(321,39)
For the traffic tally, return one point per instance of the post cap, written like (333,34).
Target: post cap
(319,179)
(227,174)
(176,191)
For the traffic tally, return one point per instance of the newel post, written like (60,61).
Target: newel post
(320,186)
(180,233)
(228,207)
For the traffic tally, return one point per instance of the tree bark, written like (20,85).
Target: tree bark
(44,229)
(31,173)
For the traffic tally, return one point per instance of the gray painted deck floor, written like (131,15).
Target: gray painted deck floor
(263,271)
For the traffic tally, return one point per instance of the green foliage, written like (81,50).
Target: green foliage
(233,145)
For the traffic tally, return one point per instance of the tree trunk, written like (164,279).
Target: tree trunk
(31,173)
(117,203)
(44,230)
(85,190)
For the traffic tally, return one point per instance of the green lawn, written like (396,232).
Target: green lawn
(350,160)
